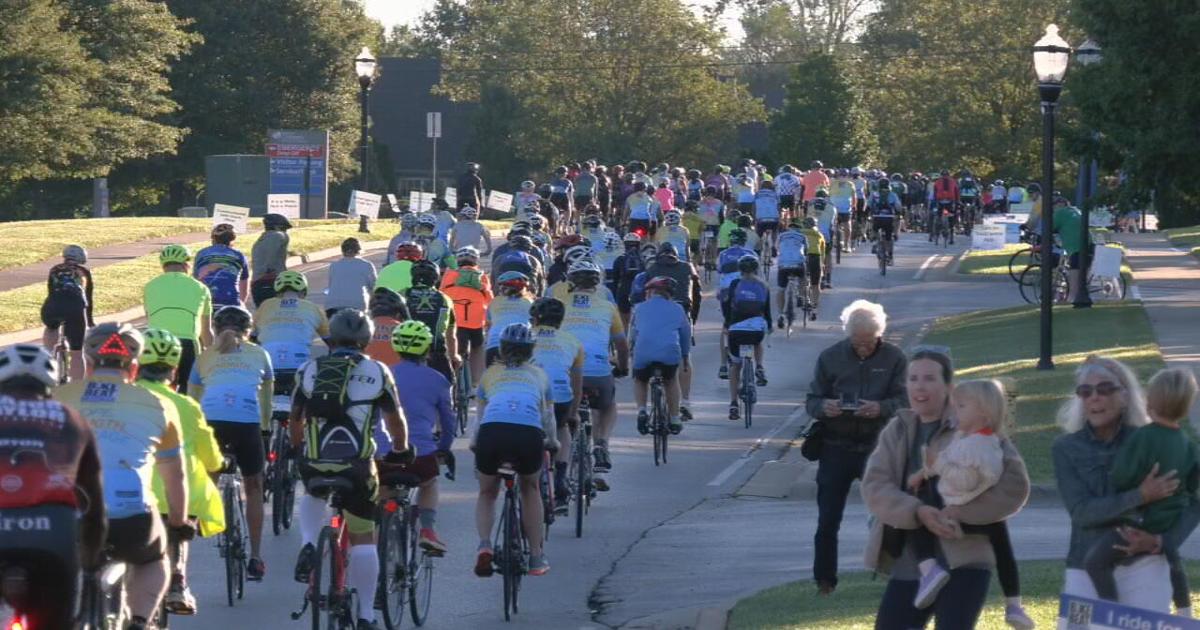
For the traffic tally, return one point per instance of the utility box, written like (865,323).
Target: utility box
(237,180)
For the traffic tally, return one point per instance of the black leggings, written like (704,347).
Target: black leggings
(925,543)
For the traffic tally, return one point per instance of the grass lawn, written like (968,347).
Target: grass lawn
(1004,344)
(990,262)
(796,605)
(1186,238)
(40,240)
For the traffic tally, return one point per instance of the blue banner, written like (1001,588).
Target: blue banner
(1081,613)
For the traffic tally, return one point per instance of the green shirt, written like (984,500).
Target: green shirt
(1066,224)
(396,276)
(1171,449)
(177,302)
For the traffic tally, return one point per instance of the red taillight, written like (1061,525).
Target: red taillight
(272,456)
(391,506)
(641,232)
(17,624)
(335,522)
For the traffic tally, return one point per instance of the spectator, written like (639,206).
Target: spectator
(1084,460)
(927,426)
(857,386)
(268,257)
(351,280)
(470,188)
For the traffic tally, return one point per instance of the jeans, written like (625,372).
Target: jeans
(958,604)
(838,467)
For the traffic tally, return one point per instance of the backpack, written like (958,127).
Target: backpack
(469,278)
(747,299)
(338,437)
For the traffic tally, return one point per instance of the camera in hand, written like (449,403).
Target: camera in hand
(849,402)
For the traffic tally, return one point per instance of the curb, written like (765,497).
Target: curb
(137,312)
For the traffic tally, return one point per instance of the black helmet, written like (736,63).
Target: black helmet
(521,242)
(667,250)
(387,303)
(748,264)
(745,221)
(816,164)
(234,317)
(472,167)
(425,273)
(350,327)
(274,221)
(547,311)
(738,236)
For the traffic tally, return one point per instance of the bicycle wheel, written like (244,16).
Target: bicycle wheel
(579,491)
(1030,285)
(656,421)
(290,475)
(1103,288)
(789,307)
(242,546)
(506,562)
(232,540)
(1021,260)
(327,551)
(663,426)
(747,391)
(393,569)
(420,578)
(276,480)
(881,256)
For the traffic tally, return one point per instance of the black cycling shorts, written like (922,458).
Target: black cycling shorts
(359,500)
(885,224)
(468,339)
(187,358)
(787,202)
(67,310)
(643,225)
(781,278)
(243,441)
(843,218)
(767,224)
(814,270)
(47,550)
(738,338)
(440,361)
(497,443)
(560,414)
(137,539)
(490,356)
(644,374)
(601,391)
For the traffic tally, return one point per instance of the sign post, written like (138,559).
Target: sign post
(433,131)
(236,216)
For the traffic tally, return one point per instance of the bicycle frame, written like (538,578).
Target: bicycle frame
(748,388)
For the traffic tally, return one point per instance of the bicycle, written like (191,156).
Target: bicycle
(406,570)
(579,479)
(462,397)
(658,417)
(62,358)
(748,388)
(512,549)
(1100,287)
(546,489)
(102,601)
(768,246)
(708,255)
(943,233)
(231,543)
(883,251)
(337,602)
(281,473)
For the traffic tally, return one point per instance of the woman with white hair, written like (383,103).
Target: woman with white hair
(1107,407)
(858,384)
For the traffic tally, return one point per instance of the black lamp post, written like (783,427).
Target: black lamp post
(1087,54)
(1050,56)
(364,67)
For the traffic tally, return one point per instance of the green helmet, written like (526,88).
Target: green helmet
(161,346)
(174,254)
(738,236)
(291,281)
(412,337)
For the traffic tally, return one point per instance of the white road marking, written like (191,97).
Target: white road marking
(724,475)
(1135,292)
(925,266)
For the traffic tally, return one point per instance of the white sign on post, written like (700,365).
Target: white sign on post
(364,204)
(420,201)
(501,201)
(394,203)
(1100,218)
(233,215)
(433,125)
(451,197)
(1108,262)
(988,237)
(287,205)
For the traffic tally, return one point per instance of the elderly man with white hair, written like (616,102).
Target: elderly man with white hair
(857,386)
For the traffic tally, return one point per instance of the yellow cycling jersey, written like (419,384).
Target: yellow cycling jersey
(816,241)
(285,327)
(203,456)
(595,322)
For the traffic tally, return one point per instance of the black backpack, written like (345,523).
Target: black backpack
(338,436)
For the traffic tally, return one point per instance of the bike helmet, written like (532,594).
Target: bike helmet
(514,280)
(787,168)
(425,273)
(745,221)
(810,222)
(26,360)
(469,213)
(528,185)
(540,239)
(516,344)
(412,337)
(114,345)
(408,221)
(174,254)
(821,193)
(747,264)
(612,242)
(276,221)
(584,274)
(694,173)
(897,177)
(662,284)
(467,254)
(409,250)
(632,237)
(672,218)
(547,311)
(738,236)
(855,171)
(291,281)
(998,182)
(568,241)
(233,317)
(426,220)
(387,303)
(521,242)
(592,221)
(816,164)
(577,253)
(75,254)
(668,251)
(560,171)
(350,327)
(472,167)
(536,222)
(161,347)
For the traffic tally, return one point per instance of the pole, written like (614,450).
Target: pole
(307,185)
(1049,93)
(435,183)
(362,178)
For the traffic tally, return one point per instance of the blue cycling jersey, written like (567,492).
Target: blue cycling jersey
(792,247)
(660,332)
(727,263)
(766,205)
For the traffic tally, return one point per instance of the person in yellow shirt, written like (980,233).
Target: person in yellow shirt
(675,233)
(286,324)
(815,259)
(182,305)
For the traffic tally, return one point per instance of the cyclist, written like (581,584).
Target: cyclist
(234,382)
(351,279)
(181,305)
(945,197)
(68,305)
(664,196)
(425,398)
(268,256)
(829,219)
(337,402)
(407,233)
(814,180)
(793,254)
(386,309)
(469,191)
(223,269)
(202,457)
(606,257)
(516,425)
(585,185)
(999,197)
(747,312)
(426,303)
(285,325)
(969,191)
(67,458)
(625,270)
(743,192)
(597,325)
(674,234)
(522,257)
(560,354)
(511,306)
(1016,193)
(727,268)
(592,229)
(136,430)
(557,270)
(712,212)
(469,232)
(436,250)
(397,276)
(527,196)
(787,184)
(694,185)
(660,334)
(640,211)
(687,295)
(562,192)
(816,256)
(766,212)
(445,220)
(470,289)
(884,206)
(860,196)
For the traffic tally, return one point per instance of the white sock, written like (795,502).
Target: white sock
(926,566)
(363,576)
(312,515)
(685,403)
(1013,601)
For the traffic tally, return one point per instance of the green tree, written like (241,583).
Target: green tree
(823,117)
(611,79)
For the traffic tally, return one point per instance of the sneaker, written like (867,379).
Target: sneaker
(812,316)
(675,425)
(782,322)
(366,624)
(1015,616)
(562,503)
(735,413)
(539,565)
(600,482)
(760,376)
(179,600)
(429,541)
(930,585)
(256,569)
(602,463)
(723,372)
(643,421)
(685,413)
(483,562)
(304,563)
(825,588)
(138,623)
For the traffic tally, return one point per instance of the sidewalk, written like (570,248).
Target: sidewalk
(18,277)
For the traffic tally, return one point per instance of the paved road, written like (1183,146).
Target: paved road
(591,583)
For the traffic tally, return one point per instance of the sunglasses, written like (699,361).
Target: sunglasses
(1104,388)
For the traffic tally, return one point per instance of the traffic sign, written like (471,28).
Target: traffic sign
(433,125)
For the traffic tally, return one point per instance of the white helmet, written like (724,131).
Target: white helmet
(527,185)
(469,212)
(583,265)
(25,359)
(426,219)
(577,253)
(672,217)
(612,242)
(467,252)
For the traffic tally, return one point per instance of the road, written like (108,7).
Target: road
(588,585)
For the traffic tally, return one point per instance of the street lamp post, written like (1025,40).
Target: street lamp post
(1050,56)
(364,67)
(1087,54)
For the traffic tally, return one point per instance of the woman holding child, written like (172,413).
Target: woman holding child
(940,483)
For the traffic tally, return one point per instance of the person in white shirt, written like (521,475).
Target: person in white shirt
(469,232)
(351,280)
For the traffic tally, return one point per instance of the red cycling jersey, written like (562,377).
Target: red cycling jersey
(945,189)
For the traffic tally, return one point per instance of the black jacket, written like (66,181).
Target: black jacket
(879,377)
